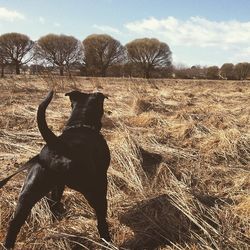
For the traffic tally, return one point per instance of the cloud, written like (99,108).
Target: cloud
(106,29)
(241,55)
(56,24)
(42,20)
(10,15)
(195,31)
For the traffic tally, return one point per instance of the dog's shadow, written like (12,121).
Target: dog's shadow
(155,223)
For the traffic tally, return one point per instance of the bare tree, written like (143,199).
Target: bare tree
(59,50)
(227,71)
(149,54)
(102,51)
(3,64)
(15,49)
(197,72)
(213,72)
(242,70)
(194,72)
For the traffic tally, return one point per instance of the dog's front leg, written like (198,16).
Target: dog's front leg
(99,204)
(98,201)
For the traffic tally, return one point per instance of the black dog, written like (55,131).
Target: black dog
(79,159)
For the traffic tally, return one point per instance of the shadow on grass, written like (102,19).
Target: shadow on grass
(155,223)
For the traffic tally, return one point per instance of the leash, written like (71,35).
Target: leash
(24,167)
(30,162)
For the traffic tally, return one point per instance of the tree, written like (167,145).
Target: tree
(60,50)
(149,54)
(197,72)
(181,71)
(3,64)
(15,49)
(131,69)
(102,51)
(36,69)
(163,72)
(242,70)
(227,71)
(213,72)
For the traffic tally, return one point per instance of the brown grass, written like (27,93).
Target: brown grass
(179,176)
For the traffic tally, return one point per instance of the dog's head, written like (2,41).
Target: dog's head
(87,108)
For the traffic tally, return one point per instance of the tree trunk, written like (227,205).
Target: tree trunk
(69,73)
(147,73)
(67,68)
(2,71)
(61,71)
(103,73)
(17,69)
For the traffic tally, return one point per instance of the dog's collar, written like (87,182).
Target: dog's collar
(80,126)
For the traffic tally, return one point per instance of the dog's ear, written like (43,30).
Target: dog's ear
(101,95)
(73,95)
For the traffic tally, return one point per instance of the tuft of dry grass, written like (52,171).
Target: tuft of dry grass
(180,170)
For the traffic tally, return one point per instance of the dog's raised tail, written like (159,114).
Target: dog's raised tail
(49,137)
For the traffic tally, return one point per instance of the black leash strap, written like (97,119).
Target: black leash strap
(24,167)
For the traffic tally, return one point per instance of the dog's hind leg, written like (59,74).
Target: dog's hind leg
(37,184)
(54,200)
(22,211)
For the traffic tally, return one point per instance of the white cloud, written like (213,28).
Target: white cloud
(106,29)
(10,15)
(56,24)
(195,31)
(241,55)
(42,20)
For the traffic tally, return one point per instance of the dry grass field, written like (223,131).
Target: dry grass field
(180,171)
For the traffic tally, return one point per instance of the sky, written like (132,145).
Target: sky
(198,32)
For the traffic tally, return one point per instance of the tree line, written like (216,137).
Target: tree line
(102,55)
(228,71)
(96,55)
